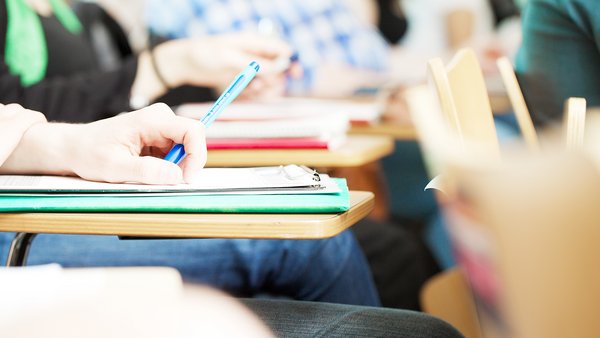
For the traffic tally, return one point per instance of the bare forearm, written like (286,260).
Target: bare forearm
(14,123)
(43,149)
(167,64)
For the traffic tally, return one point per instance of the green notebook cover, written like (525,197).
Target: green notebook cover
(317,203)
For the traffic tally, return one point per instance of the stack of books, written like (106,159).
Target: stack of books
(280,189)
(289,123)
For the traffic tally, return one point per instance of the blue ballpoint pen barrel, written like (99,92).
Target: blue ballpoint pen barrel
(240,82)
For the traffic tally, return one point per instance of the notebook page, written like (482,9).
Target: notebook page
(209,180)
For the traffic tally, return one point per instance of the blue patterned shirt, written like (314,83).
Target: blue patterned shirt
(319,30)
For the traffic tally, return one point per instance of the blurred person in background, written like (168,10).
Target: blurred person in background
(340,52)
(559,57)
(392,22)
(437,28)
(42,71)
(50,63)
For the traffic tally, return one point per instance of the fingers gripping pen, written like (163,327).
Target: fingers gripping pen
(238,84)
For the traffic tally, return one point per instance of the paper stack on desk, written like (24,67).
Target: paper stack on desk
(289,123)
(285,189)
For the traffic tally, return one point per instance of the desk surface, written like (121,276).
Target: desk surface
(357,151)
(395,130)
(500,105)
(272,226)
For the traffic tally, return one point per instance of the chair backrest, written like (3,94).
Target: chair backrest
(517,100)
(527,234)
(462,122)
(465,102)
(437,140)
(447,296)
(439,78)
(574,123)
(523,232)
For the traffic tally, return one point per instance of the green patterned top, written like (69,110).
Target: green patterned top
(26,53)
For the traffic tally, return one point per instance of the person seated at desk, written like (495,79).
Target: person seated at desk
(119,149)
(48,65)
(559,56)
(437,28)
(55,63)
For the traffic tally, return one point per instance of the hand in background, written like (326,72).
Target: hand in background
(125,148)
(215,60)
(396,108)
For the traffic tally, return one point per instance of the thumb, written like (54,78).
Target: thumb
(146,170)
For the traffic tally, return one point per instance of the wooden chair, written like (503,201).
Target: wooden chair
(501,205)
(461,126)
(465,103)
(531,237)
(438,76)
(518,102)
(447,296)
(437,139)
(466,109)
(467,118)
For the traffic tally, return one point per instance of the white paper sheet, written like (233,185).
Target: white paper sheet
(291,178)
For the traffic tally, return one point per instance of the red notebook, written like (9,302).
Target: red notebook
(266,143)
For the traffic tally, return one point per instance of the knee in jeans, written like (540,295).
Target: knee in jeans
(337,250)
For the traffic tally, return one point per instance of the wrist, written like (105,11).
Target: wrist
(158,70)
(47,149)
(146,86)
(170,61)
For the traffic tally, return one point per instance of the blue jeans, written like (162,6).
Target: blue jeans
(330,270)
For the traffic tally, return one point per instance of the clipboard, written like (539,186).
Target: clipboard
(315,202)
(210,180)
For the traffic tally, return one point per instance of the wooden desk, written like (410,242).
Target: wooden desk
(500,103)
(357,151)
(397,131)
(271,226)
(402,129)
(403,132)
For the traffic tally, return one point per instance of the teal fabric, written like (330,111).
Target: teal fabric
(323,203)
(560,56)
(406,178)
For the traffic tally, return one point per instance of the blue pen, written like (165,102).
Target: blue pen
(238,84)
